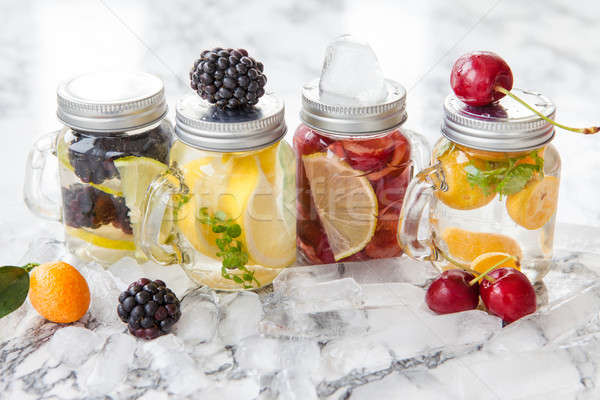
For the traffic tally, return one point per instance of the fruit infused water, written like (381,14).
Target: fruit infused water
(354,159)
(111,119)
(225,209)
(492,189)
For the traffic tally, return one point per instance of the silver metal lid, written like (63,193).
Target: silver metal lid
(200,124)
(111,101)
(353,120)
(505,126)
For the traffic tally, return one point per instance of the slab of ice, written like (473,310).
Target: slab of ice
(242,313)
(351,74)
(72,345)
(339,357)
(199,316)
(338,294)
(111,364)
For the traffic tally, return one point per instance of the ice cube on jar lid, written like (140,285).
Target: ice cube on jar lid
(372,104)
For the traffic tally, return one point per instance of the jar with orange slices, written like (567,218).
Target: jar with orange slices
(491,190)
(225,208)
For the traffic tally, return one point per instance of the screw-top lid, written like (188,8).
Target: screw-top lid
(353,120)
(111,101)
(202,125)
(505,126)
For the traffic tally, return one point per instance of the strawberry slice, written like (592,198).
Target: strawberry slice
(307,141)
(370,154)
(391,188)
(399,161)
(337,148)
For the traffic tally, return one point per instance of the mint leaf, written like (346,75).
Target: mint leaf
(516,179)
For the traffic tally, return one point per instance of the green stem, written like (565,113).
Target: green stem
(457,263)
(586,131)
(29,266)
(490,269)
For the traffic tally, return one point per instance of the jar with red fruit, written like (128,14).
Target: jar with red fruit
(115,135)
(491,189)
(354,164)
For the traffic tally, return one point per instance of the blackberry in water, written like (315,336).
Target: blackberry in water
(228,78)
(149,308)
(88,207)
(92,154)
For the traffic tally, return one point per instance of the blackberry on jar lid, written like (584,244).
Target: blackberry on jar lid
(111,101)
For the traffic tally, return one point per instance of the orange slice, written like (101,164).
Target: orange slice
(487,260)
(533,206)
(468,245)
(461,195)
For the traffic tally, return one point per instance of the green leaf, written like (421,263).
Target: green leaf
(14,285)
(516,179)
(234,230)
(219,228)
(237,279)
(221,216)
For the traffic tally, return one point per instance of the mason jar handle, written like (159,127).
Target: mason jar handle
(419,194)
(157,211)
(36,200)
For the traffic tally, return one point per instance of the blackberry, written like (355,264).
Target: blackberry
(149,308)
(228,78)
(91,154)
(87,207)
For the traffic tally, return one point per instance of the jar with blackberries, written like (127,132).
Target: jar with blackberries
(114,140)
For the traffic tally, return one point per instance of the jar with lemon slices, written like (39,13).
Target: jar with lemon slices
(225,209)
(115,135)
(491,190)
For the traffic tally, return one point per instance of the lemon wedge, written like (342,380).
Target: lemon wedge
(345,202)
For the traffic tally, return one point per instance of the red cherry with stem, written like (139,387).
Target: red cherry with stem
(452,292)
(508,295)
(475,77)
(482,77)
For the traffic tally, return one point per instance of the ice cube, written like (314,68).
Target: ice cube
(111,364)
(293,386)
(342,356)
(104,295)
(241,314)
(393,294)
(125,271)
(351,74)
(199,316)
(73,345)
(179,370)
(246,388)
(337,294)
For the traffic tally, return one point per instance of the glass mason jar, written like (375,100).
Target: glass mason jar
(227,202)
(492,187)
(354,164)
(107,116)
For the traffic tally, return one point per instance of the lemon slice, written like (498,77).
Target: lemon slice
(136,175)
(268,239)
(487,260)
(345,202)
(101,241)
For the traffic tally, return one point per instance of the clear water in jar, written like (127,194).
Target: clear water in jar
(381,169)
(521,224)
(95,214)
(252,196)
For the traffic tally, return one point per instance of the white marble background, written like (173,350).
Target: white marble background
(550,45)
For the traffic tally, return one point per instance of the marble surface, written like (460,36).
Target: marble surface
(546,43)
(339,331)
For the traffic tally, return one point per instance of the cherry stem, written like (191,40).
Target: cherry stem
(460,265)
(586,131)
(490,269)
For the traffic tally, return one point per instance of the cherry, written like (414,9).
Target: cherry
(476,76)
(508,294)
(482,77)
(452,292)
